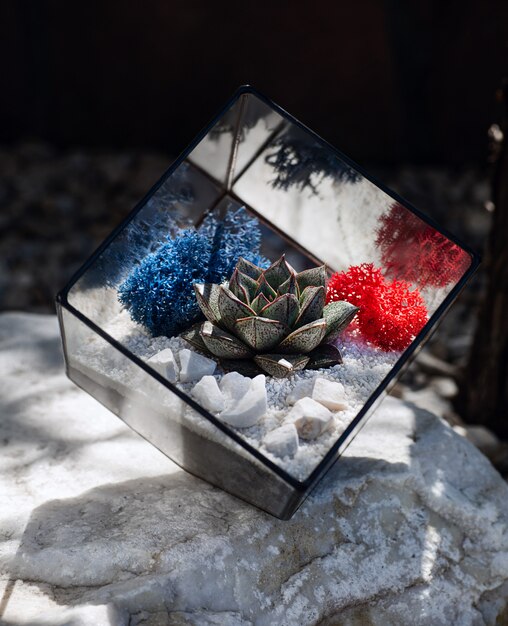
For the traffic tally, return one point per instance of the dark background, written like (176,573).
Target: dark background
(98,97)
(384,80)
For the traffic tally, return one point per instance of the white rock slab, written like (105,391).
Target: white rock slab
(208,394)
(194,366)
(282,441)
(164,362)
(98,527)
(250,408)
(310,418)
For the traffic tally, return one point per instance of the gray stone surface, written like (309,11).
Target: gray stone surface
(97,527)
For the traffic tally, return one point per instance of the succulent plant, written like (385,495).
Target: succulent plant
(272,320)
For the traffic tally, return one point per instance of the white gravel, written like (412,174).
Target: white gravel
(362,370)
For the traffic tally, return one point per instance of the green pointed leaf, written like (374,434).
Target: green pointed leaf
(304,339)
(289,286)
(281,365)
(315,277)
(265,288)
(248,268)
(193,336)
(259,302)
(231,308)
(223,344)
(312,302)
(207,295)
(237,288)
(338,316)
(260,333)
(325,355)
(249,283)
(284,308)
(277,273)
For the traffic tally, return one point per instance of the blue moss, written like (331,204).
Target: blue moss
(159,293)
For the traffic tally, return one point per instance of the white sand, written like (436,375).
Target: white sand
(362,370)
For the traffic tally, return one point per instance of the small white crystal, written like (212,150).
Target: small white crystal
(282,441)
(194,366)
(310,418)
(208,394)
(246,411)
(234,386)
(302,389)
(164,363)
(330,394)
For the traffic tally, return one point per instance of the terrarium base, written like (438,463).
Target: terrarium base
(236,474)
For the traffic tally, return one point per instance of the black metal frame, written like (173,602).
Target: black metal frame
(347,436)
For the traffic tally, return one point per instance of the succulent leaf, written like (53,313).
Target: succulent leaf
(314,277)
(223,344)
(245,367)
(207,295)
(244,287)
(289,286)
(338,315)
(325,355)
(248,268)
(265,288)
(278,273)
(231,308)
(284,308)
(312,302)
(281,365)
(260,333)
(273,321)
(193,336)
(304,339)
(259,302)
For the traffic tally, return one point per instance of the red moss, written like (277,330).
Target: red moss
(390,315)
(413,251)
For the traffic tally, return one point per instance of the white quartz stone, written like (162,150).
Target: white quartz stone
(302,389)
(99,528)
(247,410)
(310,418)
(234,386)
(208,394)
(194,366)
(164,363)
(330,394)
(282,441)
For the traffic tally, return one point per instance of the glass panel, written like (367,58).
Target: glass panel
(168,422)
(178,203)
(342,218)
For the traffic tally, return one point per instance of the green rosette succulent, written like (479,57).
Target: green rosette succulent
(274,320)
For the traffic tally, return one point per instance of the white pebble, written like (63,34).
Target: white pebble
(282,441)
(330,394)
(302,389)
(310,418)
(208,394)
(234,386)
(247,410)
(194,366)
(164,363)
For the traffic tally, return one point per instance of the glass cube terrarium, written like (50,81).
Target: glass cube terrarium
(252,309)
